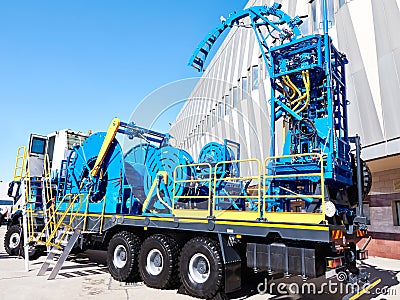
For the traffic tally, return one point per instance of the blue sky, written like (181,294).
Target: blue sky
(78,64)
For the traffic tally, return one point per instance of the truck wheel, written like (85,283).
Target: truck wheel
(12,240)
(158,262)
(34,251)
(122,256)
(201,267)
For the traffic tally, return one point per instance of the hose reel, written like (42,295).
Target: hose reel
(167,159)
(135,168)
(213,152)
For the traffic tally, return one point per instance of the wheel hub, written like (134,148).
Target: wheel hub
(120,256)
(14,240)
(202,267)
(199,268)
(157,261)
(154,262)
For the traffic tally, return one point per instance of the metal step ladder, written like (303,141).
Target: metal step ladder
(65,241)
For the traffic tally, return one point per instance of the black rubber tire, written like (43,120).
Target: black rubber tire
(129,271)
(366,181)
(11,233)
(34,252)
(169,249)
(215,282)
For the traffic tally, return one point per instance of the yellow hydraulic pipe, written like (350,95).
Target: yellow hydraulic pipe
(293,85)
(298,102)
(300,98)
(306,80)
(288,85)
(111,132)
(164,175)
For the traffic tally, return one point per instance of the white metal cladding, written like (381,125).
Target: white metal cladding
(366,30)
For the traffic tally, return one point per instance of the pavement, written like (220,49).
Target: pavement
(85,276)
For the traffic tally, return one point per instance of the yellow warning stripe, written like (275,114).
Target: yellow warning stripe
(222,222)
(361,233)
(337,234)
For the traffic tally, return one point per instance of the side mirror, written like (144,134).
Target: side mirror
(13,190)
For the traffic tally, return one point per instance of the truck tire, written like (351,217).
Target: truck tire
(14,243)
(122,256)
(34,252)
(158,262)
(13,239)
(201,267)
(366,182)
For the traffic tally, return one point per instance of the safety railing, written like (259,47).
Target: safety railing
(231,198)
(60,215)
(30,214)
(30,200)
(34,203)
(100,218)
(48,201)
(36,189)
(73,213)
(20,163)
(194,198)
(287,193)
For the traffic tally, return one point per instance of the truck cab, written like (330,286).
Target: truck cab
(42,158)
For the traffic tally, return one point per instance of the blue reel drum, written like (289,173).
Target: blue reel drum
(107,184)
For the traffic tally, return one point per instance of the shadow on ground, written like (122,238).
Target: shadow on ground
(279,288)
(294,288)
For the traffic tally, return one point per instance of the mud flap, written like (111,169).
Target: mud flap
(232,265)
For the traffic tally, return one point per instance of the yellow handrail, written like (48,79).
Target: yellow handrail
(319,159)
(55,223)
(73,215)
(28,201)
(207,179)
(48,191)
(240,178)
(20,163)
(46,226)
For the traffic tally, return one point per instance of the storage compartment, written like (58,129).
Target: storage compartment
(309,262)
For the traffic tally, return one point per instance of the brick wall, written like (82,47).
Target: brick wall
(384,182)
(385,234)
(383,245)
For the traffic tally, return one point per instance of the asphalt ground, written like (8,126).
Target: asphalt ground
(85,276)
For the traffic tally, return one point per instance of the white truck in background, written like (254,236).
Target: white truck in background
(6,202)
